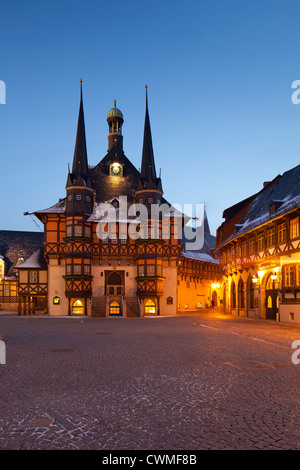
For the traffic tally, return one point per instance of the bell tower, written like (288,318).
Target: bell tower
(115,121)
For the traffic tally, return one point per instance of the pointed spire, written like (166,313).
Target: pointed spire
(148,164)
(206,224)
(80,163)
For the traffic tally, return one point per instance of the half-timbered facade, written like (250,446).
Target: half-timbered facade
(258,245)
(33,284)
(15,248)
(137,269)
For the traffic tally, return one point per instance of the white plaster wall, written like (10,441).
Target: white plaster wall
(170,290)
(56,287)
(285,310)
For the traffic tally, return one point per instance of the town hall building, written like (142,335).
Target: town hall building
(86,268)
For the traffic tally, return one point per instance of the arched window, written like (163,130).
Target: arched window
(241,294)
(150,307)
(78,308)
(233,295)
(114,279)
(114,308)
(114,284)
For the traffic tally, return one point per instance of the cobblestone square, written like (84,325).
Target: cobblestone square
(190,382)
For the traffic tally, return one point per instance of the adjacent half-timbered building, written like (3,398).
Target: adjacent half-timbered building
(15,248)
(33,284)
(258,245)
(130,271)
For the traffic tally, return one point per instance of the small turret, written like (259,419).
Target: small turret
(115,121)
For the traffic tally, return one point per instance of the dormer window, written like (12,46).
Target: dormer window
(275,204)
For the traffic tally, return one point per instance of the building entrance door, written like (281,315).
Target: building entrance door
(271,298)
(115,289)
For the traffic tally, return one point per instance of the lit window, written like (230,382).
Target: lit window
(289,276)
(281,233)
(251,245)
(260,242)
(294,228)
(298,274)
(150,307)
(114,308)
(244,248)
(6,290)
(78,308)
(69,231)
(271,237)
(69,269)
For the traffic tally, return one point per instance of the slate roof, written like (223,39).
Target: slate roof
(17,244)
(285,192)
(199,256)
(35,261)
(106,186)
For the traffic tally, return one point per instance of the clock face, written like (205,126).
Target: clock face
(116,169)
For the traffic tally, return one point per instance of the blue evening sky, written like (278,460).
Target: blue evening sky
(219,76)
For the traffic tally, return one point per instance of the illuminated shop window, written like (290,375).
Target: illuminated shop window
(150,307)
(114,308)
(78,308)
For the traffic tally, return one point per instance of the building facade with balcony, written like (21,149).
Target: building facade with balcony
(104,256)
(258,246)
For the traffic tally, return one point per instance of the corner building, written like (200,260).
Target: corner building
(95,275)
(258,245)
